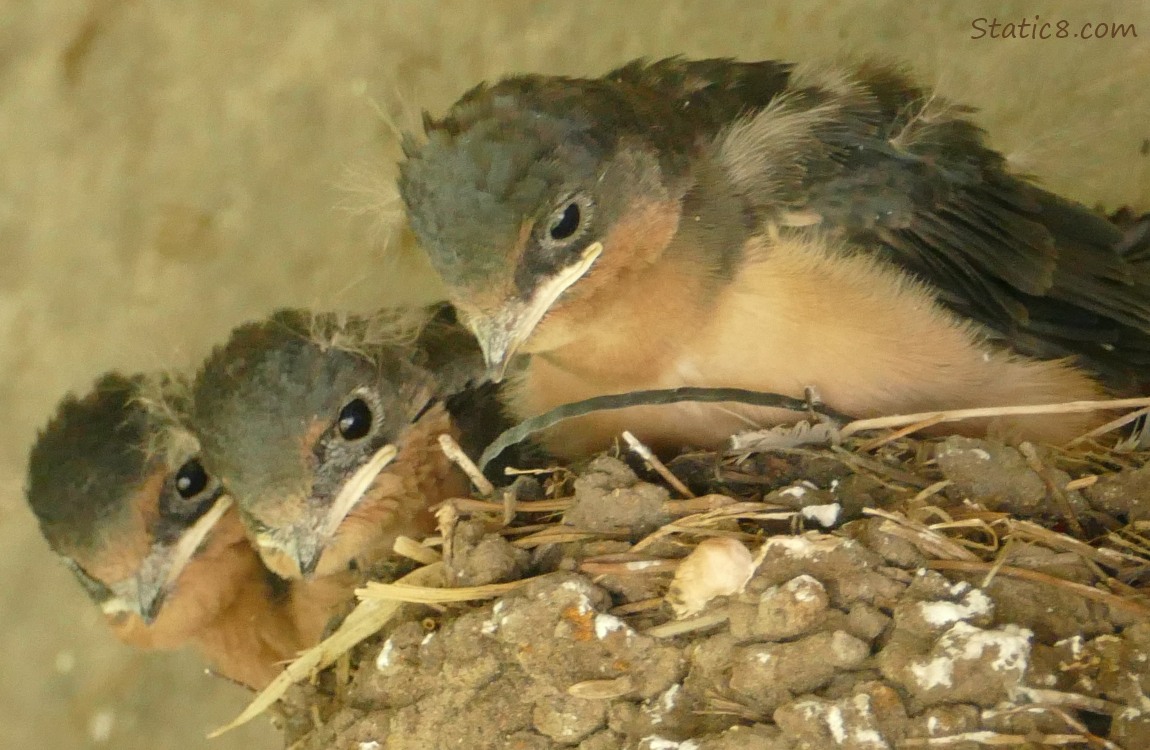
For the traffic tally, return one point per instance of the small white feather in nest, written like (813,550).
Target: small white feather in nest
(785,436)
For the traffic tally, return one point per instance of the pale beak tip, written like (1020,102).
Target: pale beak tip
(150,607)
(496,361)
(308,561)
(496,371)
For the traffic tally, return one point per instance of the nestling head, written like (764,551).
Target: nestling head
(122,497)
(300,415)
(530,197)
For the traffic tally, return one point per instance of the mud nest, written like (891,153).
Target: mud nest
(952,593)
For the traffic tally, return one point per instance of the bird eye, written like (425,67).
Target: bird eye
(355,419)
(191,479)
(566,222)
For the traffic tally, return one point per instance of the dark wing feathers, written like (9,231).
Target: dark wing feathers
(1135,243)
(1045,268)
(920,187)
(711,92)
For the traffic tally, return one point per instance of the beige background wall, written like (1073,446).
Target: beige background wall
(169,169)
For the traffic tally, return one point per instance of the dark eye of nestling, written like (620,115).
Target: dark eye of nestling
(566,223)
(355,419)
(191,479)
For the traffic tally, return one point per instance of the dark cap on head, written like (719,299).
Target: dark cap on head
(514,151)
(485,170)
(93,452)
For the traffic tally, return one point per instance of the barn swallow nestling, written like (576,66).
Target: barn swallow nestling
(325,430)
(770,227)
(121,495)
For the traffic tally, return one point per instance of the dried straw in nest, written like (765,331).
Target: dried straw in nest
(949,531)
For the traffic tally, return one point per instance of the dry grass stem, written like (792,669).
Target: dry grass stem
(930,491)
(634,608)
(1134,607)
(1081,483)
(470,505)
(364,621)
(1110,426)
(534,472)
(642,567)
(1030,531)
(680,627)
(446,518)
(602,689)
(999,560)
(698,523)
(957,415)
(453,452)
(553,535)
(997,739)
(407,547)
(697,505)
(910,429)
(926,540)
(410,594)
(1047,698)
(653,461)
(1039,467)
(509,507)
